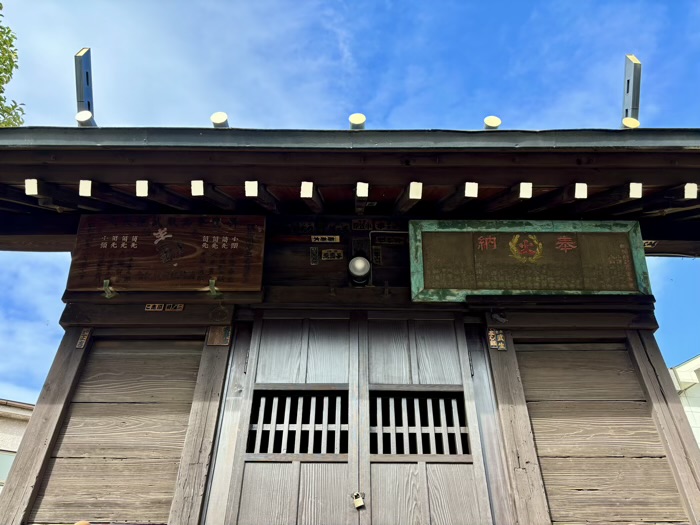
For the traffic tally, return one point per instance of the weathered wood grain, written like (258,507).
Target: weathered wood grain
(578,375)
(389,360)
(397,496)
(575,320)
(190,485)
(590,347)
(324,495)
(611,489)
(438,360)
(454,495)
(594,429)
(229,434)
(118,430)
(269,494)
(674,429)
(522,461)
(106,490)
(136,371)
(280,352)
(328,350)
(34,451)
(500,490)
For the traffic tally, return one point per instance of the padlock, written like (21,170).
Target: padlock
(358,499)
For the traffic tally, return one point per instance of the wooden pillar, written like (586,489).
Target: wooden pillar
(195,461)
(27,470)
(521,456)
(670,419)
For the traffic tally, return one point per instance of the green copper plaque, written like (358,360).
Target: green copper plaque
(451,260)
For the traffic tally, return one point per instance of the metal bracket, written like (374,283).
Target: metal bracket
(109,291)
(213,290)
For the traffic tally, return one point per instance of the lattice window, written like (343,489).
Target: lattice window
(412,423)
(299,423)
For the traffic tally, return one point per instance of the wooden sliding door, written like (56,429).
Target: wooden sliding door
(331,404)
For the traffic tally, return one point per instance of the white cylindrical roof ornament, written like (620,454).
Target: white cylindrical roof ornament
(85,119)
(492,122)
(630,123)
(219,119)
(357,121)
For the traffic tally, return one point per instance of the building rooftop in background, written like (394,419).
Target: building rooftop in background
(686,378)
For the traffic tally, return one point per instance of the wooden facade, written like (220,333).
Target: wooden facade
(261,386)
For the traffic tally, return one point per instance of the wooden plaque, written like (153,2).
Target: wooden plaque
(168,253)
(451,260)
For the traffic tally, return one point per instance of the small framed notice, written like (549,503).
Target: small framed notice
(451,260)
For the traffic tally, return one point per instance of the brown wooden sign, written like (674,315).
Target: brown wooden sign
(168,253)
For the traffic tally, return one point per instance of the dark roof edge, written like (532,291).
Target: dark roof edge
(339,140)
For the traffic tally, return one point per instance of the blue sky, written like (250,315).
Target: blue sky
(283,64)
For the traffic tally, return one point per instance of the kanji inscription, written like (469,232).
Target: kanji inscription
(528,261)
(168,253)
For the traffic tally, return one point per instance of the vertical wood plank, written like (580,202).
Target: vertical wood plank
(419,426)
(438,360)
(304,351)
(479,472)
(280,357)
(380,427)
(389,360)
(285,423)
(500,491)
(323,494)
(273,425)
(336,448)
(364,481)
(248,387)
(523,464)
(454,492)
(431,426)
(297,434)
(261,421)
(413,353)
(392,425)
(43,427)
(190,486)
(443,427)
(229,433)
(312,424)
(324,426)
(328,351)
(404,418)
(397,495)
(353,472)
(670,419)
(457,425)
(269,494)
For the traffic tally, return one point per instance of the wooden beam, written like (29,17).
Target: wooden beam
(310,195)
(521,456)
(40,435)
(409,198)
(264,199)
(105,193)
(607,199)
(156,193)
(361,196)
(15,196)
(556,198)
(490,428)
(505,200)
(464,193)
(75,314)
(670,419)
(50,195)
(212,194)
(191,483)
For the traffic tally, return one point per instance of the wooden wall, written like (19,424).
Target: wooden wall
(600,453)
(118,452)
